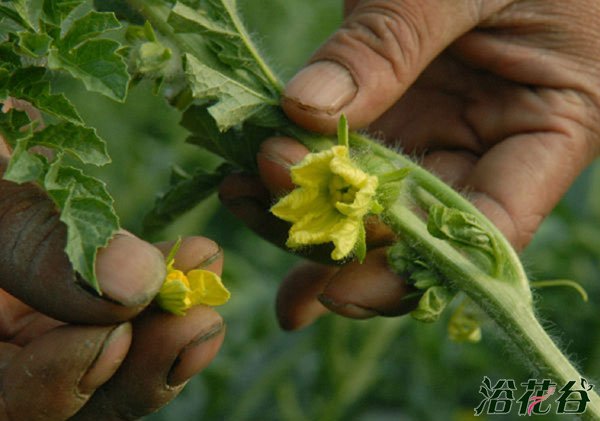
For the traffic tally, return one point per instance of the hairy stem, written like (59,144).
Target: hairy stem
(498,298)
(506,300)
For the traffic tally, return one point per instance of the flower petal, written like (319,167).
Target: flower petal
(314,169)
(174,297)
(363,199)
(295,205)
(207,288)
(345,237)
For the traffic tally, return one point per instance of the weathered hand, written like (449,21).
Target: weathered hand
(500,98)
(66,353)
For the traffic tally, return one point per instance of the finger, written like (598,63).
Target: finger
(297,305)
(195,253)
(349,5)
(369,289)
(520,180)
(34,266)
(379,51)
(246,197)
(275,158)
(166,351)
(53,376)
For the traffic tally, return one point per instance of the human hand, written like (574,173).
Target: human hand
(66,353)
(500,98)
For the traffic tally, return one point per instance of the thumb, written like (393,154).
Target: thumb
(379,51)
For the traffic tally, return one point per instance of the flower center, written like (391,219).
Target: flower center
(341,191)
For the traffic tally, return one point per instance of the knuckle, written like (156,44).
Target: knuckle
(394,33)
(27,218)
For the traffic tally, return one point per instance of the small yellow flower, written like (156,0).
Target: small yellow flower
(331,200)
(181,291)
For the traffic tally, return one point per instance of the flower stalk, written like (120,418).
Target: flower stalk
(501,290)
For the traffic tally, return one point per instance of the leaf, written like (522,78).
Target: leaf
(30,84)
(56,10)
(463,229)
(121,9)
(46,33)
(23,165)
(219,23)
(17,14)
(34,44)
(238,145)
(235,102)
(96,64)
(88,26)
(182,196)
(86,209)
(80,142)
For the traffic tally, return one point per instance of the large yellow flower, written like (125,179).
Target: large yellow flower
(181,291)
(331,200)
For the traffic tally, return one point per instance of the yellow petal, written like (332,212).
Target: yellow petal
(315,227)
(314,169)
(345,237)
(332,197)
(344,167)
(207,288)
(363,199)
(174,297)
(295,205)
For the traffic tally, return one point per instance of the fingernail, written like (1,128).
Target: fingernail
(130,271)
(347,309)
(324,86)
(109,359)
(197,355)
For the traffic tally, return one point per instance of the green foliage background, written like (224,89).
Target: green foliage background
(376,370)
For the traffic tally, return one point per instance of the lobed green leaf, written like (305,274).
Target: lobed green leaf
(89,26)
(80,142)
(235,102)
(185,193)
(34,44)
(96,64)
(87,210)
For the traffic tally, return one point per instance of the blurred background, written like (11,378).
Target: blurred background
(377,370)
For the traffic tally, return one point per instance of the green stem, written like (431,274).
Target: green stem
(446,194)
(497,297)
(507,301)
(241,29)
(157,14)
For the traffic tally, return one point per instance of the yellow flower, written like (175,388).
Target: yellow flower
(180,291)
(331,200)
